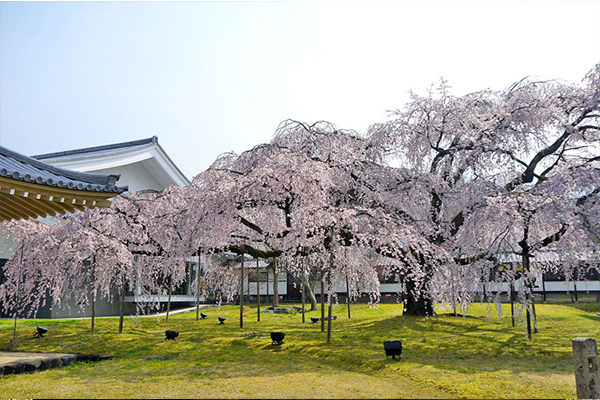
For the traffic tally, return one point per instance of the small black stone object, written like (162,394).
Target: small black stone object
(40,332)
(393,348)
(203,315)
(222,320)
(171,335)
(277,337)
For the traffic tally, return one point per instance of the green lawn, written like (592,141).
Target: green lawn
(443,356)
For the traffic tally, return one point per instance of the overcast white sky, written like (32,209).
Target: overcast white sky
(211,77)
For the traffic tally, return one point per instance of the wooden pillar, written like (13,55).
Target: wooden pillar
(544,288)
(512,303)
(242,295)
(198,288)
(169,299)
(258,290)
(348,296)
(329,318)
(322,305)
(122,307)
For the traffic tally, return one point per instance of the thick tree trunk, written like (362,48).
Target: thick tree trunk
(528,294)
(525,260)
(419,305)
(310,290)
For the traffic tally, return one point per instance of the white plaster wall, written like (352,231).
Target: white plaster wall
(266,288)
(340,287)
(134,175)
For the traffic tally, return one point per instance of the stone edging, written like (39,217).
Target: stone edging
(47,361)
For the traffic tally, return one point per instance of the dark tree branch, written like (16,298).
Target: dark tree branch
(550,239)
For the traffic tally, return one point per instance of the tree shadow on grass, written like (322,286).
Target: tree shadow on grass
(595,318)
(469,345)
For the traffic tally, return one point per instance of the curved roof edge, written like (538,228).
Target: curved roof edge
(95,149)
(20,167)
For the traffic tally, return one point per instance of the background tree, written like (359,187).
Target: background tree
(95,253)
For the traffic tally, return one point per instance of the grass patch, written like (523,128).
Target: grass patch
(443,357)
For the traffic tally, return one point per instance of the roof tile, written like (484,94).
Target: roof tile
(17,166)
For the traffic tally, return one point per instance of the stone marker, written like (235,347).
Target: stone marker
(585,355)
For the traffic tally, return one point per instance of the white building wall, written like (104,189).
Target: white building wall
(266,289)
(134,175)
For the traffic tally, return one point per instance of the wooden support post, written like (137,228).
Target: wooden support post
(322,305)
(329,318)
(93,311)
(348,296)
(303,289)
(544,288)
(198,287)
(535,325)
(93,266)
(258,290)
(169,298)
(122,306)
(512,303)
(242,295)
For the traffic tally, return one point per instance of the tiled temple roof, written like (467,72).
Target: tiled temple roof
(31,188)
(20,167)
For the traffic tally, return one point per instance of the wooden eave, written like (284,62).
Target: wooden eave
(22,200)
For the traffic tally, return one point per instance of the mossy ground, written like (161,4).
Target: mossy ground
(443,357)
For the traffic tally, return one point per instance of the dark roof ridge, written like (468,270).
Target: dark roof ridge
(153,139)
(98,179)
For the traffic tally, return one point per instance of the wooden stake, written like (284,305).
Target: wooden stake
(242,296)
(258,289)
(322,305)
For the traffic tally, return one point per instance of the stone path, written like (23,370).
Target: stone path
(16,362)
